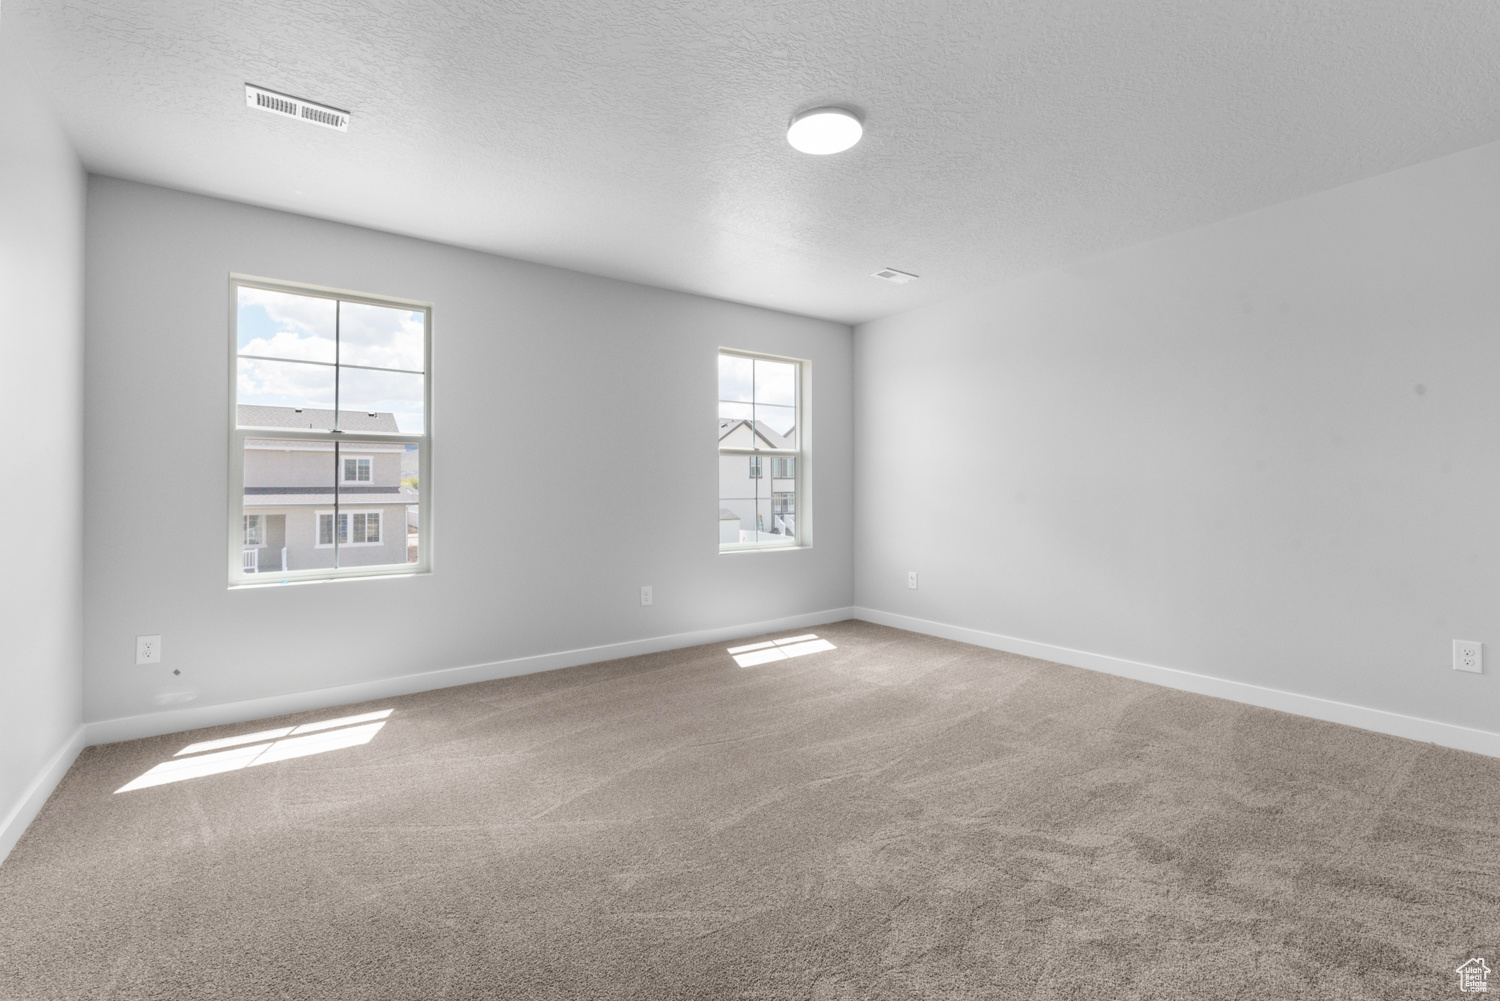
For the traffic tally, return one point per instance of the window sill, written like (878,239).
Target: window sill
(765,549)
(276,580)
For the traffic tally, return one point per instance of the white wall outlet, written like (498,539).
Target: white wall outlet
(1468,656)
(646,595)
(148,649)
(911,580)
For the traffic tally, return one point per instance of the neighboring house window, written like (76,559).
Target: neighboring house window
(366,528)
(761,416)
(330,449)
(357,470)
(356,528)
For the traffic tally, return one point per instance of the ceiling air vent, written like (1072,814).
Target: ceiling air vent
(294,107)
(893,276)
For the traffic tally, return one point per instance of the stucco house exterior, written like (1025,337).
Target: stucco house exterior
(756,492)
(297,500)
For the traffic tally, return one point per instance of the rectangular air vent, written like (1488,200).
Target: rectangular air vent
(894,276)
(294,107)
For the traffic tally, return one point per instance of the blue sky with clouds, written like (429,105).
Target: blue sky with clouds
(766,390)
(296,329)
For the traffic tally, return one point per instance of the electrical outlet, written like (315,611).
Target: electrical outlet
(911,580)
(148,649)
(1468,656)
(646,595)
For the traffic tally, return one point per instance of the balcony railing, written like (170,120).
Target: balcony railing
(252,560)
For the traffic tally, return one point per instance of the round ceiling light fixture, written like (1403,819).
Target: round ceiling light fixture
(824,130)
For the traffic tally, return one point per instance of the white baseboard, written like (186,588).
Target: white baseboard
(35,796)
(192,717)
(1379,720)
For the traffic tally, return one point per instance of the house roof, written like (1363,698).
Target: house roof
(251,415)
(727,515)
(727,426)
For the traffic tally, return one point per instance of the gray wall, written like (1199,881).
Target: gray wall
(1267,450)
(41,340)
(567,409)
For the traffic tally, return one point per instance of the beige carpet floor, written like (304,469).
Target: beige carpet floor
(900,817)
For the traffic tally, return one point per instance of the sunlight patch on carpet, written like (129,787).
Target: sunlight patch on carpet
(250,738)
(294,742)
(764,653)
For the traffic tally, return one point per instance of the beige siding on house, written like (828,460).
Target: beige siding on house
(272,467)
(288,467)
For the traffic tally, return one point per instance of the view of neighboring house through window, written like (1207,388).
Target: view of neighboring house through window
(329,442)
(760,403)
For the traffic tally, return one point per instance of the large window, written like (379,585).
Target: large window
(760,411)
(329,434)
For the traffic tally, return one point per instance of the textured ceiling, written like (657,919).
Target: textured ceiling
(645,140)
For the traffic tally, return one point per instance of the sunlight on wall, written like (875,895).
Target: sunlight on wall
(295,742)
(793,646)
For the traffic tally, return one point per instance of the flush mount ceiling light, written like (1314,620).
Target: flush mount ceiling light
(824,130)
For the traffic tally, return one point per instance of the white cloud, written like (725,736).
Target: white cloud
(381,336)
(735,375)
(775,382)
(292,345)
(285,384)
(301,312)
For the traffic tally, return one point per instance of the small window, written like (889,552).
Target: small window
(356,469)
(366,527)
(356,528)
(252,530)
(760,418)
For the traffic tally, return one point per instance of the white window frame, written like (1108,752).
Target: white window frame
(368,460)
(341,439)
(349,513)
(260,531)
(802,481)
